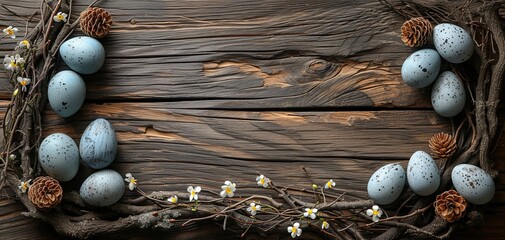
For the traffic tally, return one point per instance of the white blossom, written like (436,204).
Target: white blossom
(329,184)
(194,192)
(253,208)
(10,31)
(262,181)
(60,17)
(295,230)
(310,212)
(23,186)
(375,213)
(228,189)
(132,182)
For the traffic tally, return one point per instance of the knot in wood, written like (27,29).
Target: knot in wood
(319,66)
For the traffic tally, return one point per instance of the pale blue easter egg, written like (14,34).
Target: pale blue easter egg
(66,93)
(98,144)
(452,42)
(386,184)
(421,68)
(59,156)
(448,96)
(102,188)
(473,183)
(83,54)
(423,174)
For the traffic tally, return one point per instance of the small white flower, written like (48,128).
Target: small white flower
(228,189)
(13,63)
(325,225)
(194,192)
(329,184)
(60,17)
(23,186)
(310,212)
(173,199)
(132,182)
(262,181)
(24,44)
(24,82)
(10,31)
(295,230)
(253,208)
(375,213)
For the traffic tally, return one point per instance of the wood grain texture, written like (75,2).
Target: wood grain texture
(204,91)
(261,54)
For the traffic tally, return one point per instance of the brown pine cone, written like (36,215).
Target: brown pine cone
(95,22)
(45,192)
(416,31)
(442,144)
(450,206)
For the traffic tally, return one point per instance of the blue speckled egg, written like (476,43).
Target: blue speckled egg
(448,95)
(98,144)
(102,188)
(421,68)
(59,156)
(473,183)
(66,93)
(452,42)
(423,174)
(83,54)
(386,184)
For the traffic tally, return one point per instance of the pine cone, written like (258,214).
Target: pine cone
(450,206)
(416,31)
(45,192)
(443,145)
(95,22)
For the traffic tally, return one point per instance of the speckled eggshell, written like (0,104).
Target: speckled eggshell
(83,54)
(386,184)
(59,156)
(423,174)
(98,144)
(452,42)
(102,188)
(421,68)
(448,95)
(473,183)
(66,93)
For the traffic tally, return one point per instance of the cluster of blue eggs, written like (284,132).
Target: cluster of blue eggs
(421,69)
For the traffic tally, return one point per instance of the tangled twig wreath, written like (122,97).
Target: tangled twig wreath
(339,219)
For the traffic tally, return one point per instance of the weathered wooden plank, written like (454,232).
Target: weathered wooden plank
(165,146)
(266,54)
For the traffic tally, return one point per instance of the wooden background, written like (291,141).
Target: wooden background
(201,92)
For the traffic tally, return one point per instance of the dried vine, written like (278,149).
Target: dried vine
(476,132)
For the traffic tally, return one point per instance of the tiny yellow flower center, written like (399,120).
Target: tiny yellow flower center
(293,230)
(24,83)
(253,208)
(375,212)
(262,181)
(193,193)
(24,186)
(228,190)
(328,184)
(174,200)
(133,180)
(25,43)
(309,211)
(13,63)
(60,17)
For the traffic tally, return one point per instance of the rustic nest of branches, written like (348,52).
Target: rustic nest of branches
(475,134)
